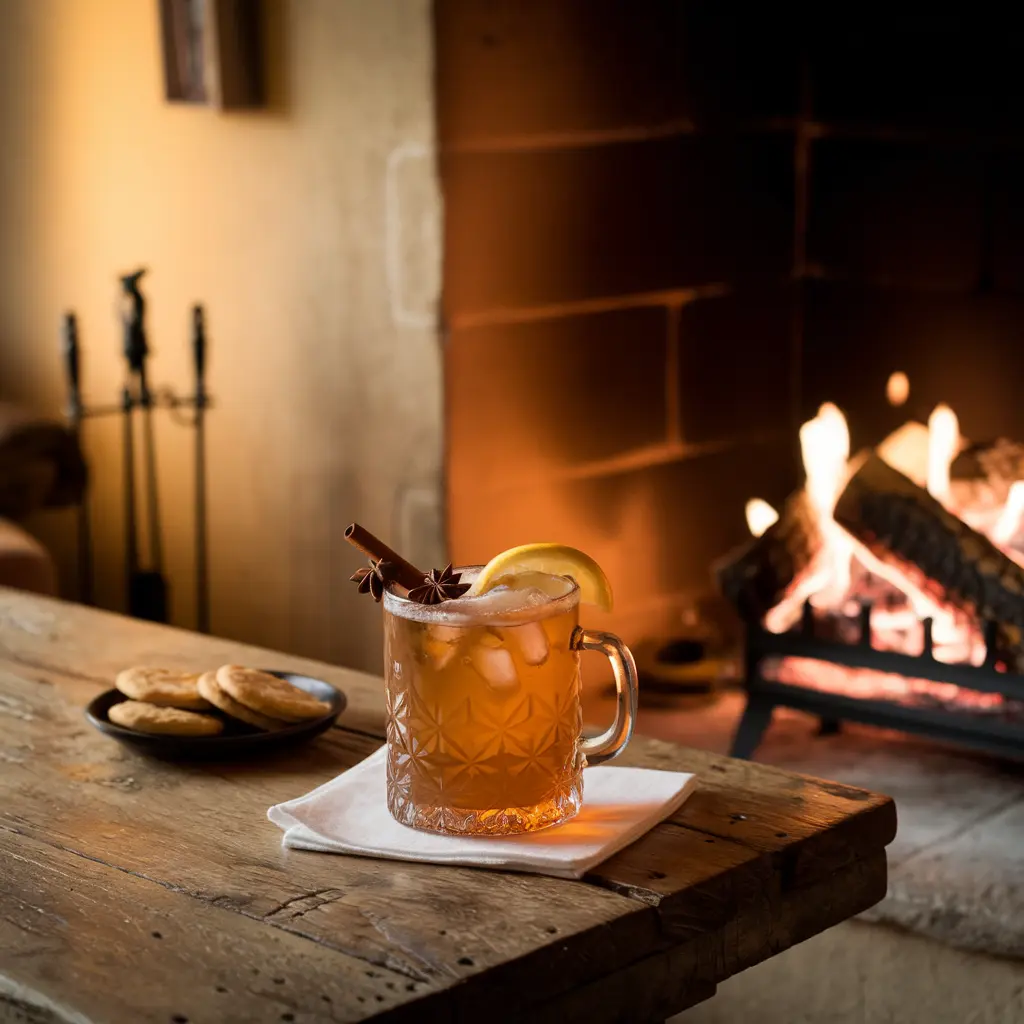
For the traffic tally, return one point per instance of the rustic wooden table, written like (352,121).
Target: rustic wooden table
(133,890)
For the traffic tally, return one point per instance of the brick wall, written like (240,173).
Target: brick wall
(671,232)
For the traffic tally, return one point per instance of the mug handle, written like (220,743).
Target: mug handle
(613,740)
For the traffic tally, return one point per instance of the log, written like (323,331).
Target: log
(983,473)
(1001,462)
(756,577)
(905,527)
(906,449)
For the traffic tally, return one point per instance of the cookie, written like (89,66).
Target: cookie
(214,693)
(164,686)
(269,695)
(144,717)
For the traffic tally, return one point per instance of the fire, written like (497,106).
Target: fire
(760,515)
(897,389)
(844,574)
(825,447)
(943,444)
(1008,523)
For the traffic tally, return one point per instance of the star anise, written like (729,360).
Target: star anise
(373,580)
(439,585)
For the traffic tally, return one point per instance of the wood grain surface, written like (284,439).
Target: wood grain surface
(137,890)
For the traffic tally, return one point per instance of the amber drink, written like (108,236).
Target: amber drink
(484,722)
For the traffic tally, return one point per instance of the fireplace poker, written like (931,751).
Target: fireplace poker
(131,543)
(202,578)
(156,547)
(75,414)
(147,588)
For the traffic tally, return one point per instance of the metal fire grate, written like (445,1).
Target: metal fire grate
(1000,730)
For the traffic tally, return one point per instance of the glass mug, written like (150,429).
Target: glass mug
(484,721)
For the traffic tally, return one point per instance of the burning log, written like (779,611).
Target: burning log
(1000,463)
(903,526)
(983,474)
(757,576)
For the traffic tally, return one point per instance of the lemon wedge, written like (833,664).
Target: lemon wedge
(556,559)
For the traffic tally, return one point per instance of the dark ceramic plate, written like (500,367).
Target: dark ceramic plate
(237,739)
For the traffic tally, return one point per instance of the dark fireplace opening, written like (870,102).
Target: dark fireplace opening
(673,233)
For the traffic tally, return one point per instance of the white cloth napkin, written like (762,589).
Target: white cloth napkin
(349,814)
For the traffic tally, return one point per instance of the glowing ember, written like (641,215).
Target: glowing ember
(844,574)
(868,684)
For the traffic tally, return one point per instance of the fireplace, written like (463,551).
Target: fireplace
(889,590)
(672,233)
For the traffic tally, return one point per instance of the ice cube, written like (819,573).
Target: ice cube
(440,644)
(531,640)
(501,601)
(547,585)
(494,663)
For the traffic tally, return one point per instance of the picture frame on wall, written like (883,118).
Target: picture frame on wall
(212,52)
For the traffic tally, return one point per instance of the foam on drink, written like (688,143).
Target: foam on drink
(513,600)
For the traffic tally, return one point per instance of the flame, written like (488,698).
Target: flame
(897,389)
(943,444)
(1008,523)
(825,447)
(760,515)
(844,572)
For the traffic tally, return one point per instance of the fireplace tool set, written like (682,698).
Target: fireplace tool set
(146,582)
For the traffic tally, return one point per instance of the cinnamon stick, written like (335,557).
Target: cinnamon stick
(402,572)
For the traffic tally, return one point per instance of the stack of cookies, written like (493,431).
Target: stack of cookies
(201,704)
